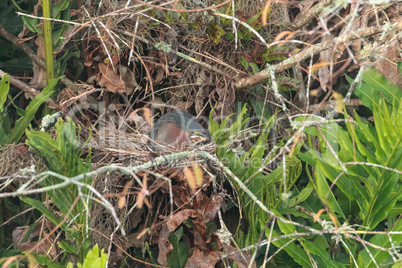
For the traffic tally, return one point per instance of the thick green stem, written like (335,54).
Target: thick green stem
(47,34)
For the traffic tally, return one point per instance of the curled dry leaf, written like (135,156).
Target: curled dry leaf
(387,67)
(200,259)
(198,174)
(148,116)
(109,79)
(323,67)
(339,102)
(191,179)
(122,202)
(141,124)
(212,206)
(38,80)
(128,77)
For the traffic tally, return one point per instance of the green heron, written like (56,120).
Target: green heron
(178,128)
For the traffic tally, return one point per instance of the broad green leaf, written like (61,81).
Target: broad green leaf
(383,201)
(44,210)
(32,24)
(286,228)
(303,195)
(59,7)
(384,241)
(294,251)
(63,157)
(244,63)
(374,86)
(323,190)
(5,128)
(68,247)
(382,85)
(365,133)
(22,123)
(4,88)
(93,259)
(313,248)
(45,261)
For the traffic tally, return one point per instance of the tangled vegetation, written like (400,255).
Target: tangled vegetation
(302,100)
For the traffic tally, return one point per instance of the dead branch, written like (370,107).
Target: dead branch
(312,50)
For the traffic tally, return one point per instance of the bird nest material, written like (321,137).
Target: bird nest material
(149,207)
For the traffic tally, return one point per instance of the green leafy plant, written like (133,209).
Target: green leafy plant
(355,172)
(9,133)
(63,156)
(92,259)
(179,255)
(248,166)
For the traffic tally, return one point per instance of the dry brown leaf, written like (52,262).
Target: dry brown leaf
(265,12)
(226,99)
(190,178)
(110,80)
(160,73)
(141,195)
(38,80)
(182,105)
(177,75)
(121,202)
(282,35)
(324,74)
(387,66)
(318,214)
(212,206)
(148,116)
(201,260)
(159,104)
(141,124)
(128,77)
(202,93)
(198,174)
(315,67)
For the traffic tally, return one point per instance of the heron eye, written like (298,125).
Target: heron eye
(193,132)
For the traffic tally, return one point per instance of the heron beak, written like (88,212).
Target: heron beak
(198,137)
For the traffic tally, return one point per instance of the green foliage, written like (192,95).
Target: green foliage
(63,156)
(364,190)
(31,23)
(92,259)
(368,180)
(215,33)
(179,255)
(275,53)
(4,89)
(9,134)
(269,188)
(222,29)
(12,59)
(250,67)
(375,86)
